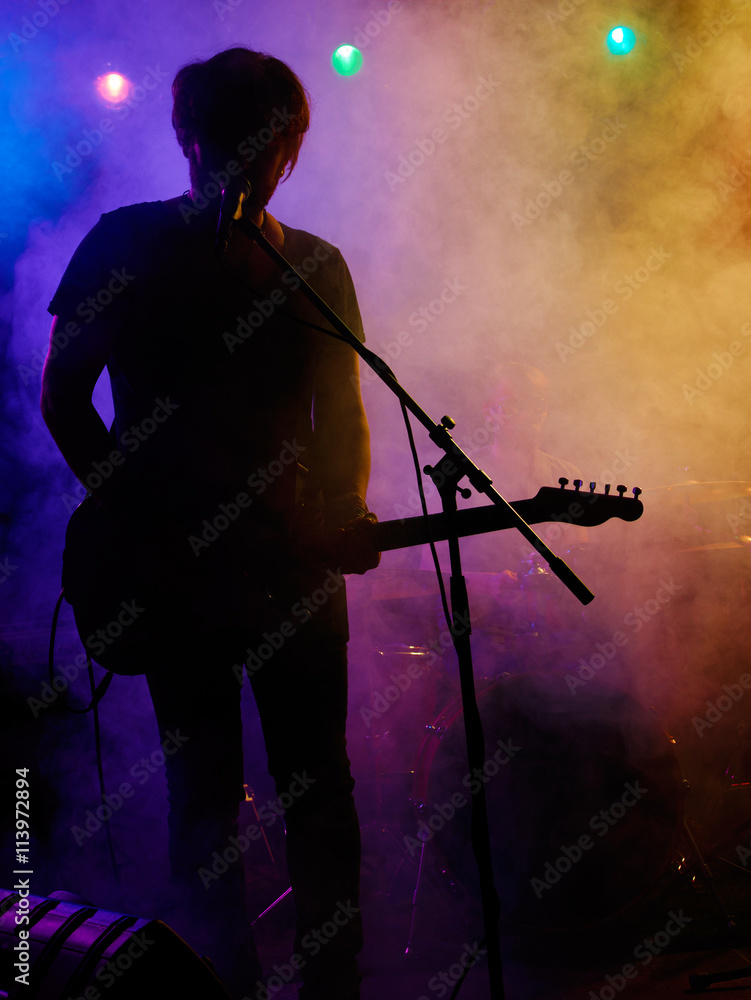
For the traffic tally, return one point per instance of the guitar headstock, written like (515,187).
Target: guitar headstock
(587,508)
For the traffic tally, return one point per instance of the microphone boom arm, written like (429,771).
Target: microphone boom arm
(455,462)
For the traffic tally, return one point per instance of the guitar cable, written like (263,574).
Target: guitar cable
(97,693)
(424,506)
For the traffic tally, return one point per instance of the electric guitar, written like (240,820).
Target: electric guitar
(131,598)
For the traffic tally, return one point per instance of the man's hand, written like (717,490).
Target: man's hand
(351,524)
(355,549)
(339,535)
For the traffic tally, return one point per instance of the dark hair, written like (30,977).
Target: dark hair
(236,96)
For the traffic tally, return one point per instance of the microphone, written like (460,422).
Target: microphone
(233,195)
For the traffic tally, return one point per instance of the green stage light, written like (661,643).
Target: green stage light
(347,60)
(621,40)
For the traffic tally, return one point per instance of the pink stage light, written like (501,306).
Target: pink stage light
(113,88)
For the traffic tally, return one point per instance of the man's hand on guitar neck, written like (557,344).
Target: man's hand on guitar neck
(353,540)
(338,535)
(354,548)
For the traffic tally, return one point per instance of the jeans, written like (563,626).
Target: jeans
(301,695)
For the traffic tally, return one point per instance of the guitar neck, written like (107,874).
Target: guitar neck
(550,504)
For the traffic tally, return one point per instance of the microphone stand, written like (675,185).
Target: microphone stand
(446,475)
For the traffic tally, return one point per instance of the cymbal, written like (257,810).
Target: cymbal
(696,492)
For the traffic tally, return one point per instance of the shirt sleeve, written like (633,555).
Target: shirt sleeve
(324,268)
(348,297)
(97,274)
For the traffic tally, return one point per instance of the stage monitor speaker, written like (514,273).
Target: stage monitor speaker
(74,951)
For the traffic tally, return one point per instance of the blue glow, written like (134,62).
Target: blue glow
(621,40)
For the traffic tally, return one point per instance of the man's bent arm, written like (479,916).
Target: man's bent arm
(341,428)
(68,380)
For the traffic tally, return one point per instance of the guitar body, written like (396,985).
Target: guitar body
(125,588)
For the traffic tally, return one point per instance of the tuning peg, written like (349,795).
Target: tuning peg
(578,484)
(636,491)
(607,489)
(621,490)
(592,487)
(563,481)
(448,422)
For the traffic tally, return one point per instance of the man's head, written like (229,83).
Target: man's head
(240,107)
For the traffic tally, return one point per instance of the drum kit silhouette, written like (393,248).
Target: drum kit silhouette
(616,739)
